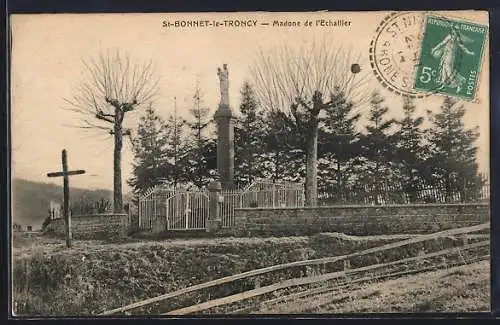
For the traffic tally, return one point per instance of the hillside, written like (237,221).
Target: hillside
(31,200)
(95,276)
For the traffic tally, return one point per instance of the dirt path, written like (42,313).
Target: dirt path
(25,244)
(459,289)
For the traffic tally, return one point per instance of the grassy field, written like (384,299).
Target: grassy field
(458,289)
(95,276)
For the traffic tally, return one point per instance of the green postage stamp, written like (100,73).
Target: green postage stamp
(450,57)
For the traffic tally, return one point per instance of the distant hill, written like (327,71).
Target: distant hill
(31,200)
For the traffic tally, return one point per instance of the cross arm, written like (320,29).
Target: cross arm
(70,173)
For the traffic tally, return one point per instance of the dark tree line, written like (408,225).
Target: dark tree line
(355,160)
(308,132)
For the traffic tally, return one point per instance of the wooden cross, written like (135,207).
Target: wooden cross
(65,174)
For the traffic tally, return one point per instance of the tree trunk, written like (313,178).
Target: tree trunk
(463,191)
(378,181)
(448,188)
(340,192)
(276,173)
(311,187)
(117,168)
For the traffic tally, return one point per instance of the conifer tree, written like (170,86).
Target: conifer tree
(173,171)
(339,146)
(199,160)
(249,134)
(150,147)
(379,150)
(453,155)
(412,150)
(284,156)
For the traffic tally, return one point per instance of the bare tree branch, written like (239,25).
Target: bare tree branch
(110,87)
(111,81)
(287,75)
(104,118)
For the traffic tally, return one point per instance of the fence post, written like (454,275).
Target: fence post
(274,195)
(214,221)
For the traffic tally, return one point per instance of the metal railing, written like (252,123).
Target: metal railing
(187,209)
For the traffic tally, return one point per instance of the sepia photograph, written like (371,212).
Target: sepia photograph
(250,163)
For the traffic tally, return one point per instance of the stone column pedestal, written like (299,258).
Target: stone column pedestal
(215,198)
(225,145)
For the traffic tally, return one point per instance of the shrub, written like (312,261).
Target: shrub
(46,222)
(102,206)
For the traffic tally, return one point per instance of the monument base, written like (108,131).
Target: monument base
(213,225)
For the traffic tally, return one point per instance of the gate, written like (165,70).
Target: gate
(183,209)
(152,206)
(187,210)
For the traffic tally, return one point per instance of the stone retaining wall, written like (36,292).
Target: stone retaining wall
(357,220)
(99,226)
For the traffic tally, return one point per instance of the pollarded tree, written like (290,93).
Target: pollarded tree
(296,81)
(150,147)
(112,86)
(249,138)
(453,155)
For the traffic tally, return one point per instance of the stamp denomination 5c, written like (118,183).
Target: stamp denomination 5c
(450,57)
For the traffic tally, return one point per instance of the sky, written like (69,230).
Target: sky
(47,54)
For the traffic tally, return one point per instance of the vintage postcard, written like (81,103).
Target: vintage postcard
(250,163)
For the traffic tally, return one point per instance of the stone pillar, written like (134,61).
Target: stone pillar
(124,225)
(225,145)
(225,132)
(214,220)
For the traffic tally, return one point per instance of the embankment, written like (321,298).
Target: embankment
(90,279)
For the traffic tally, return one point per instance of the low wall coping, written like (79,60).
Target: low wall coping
(364,206)
(100,215)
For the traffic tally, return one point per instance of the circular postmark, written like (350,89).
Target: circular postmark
(417,54)
(394,52)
